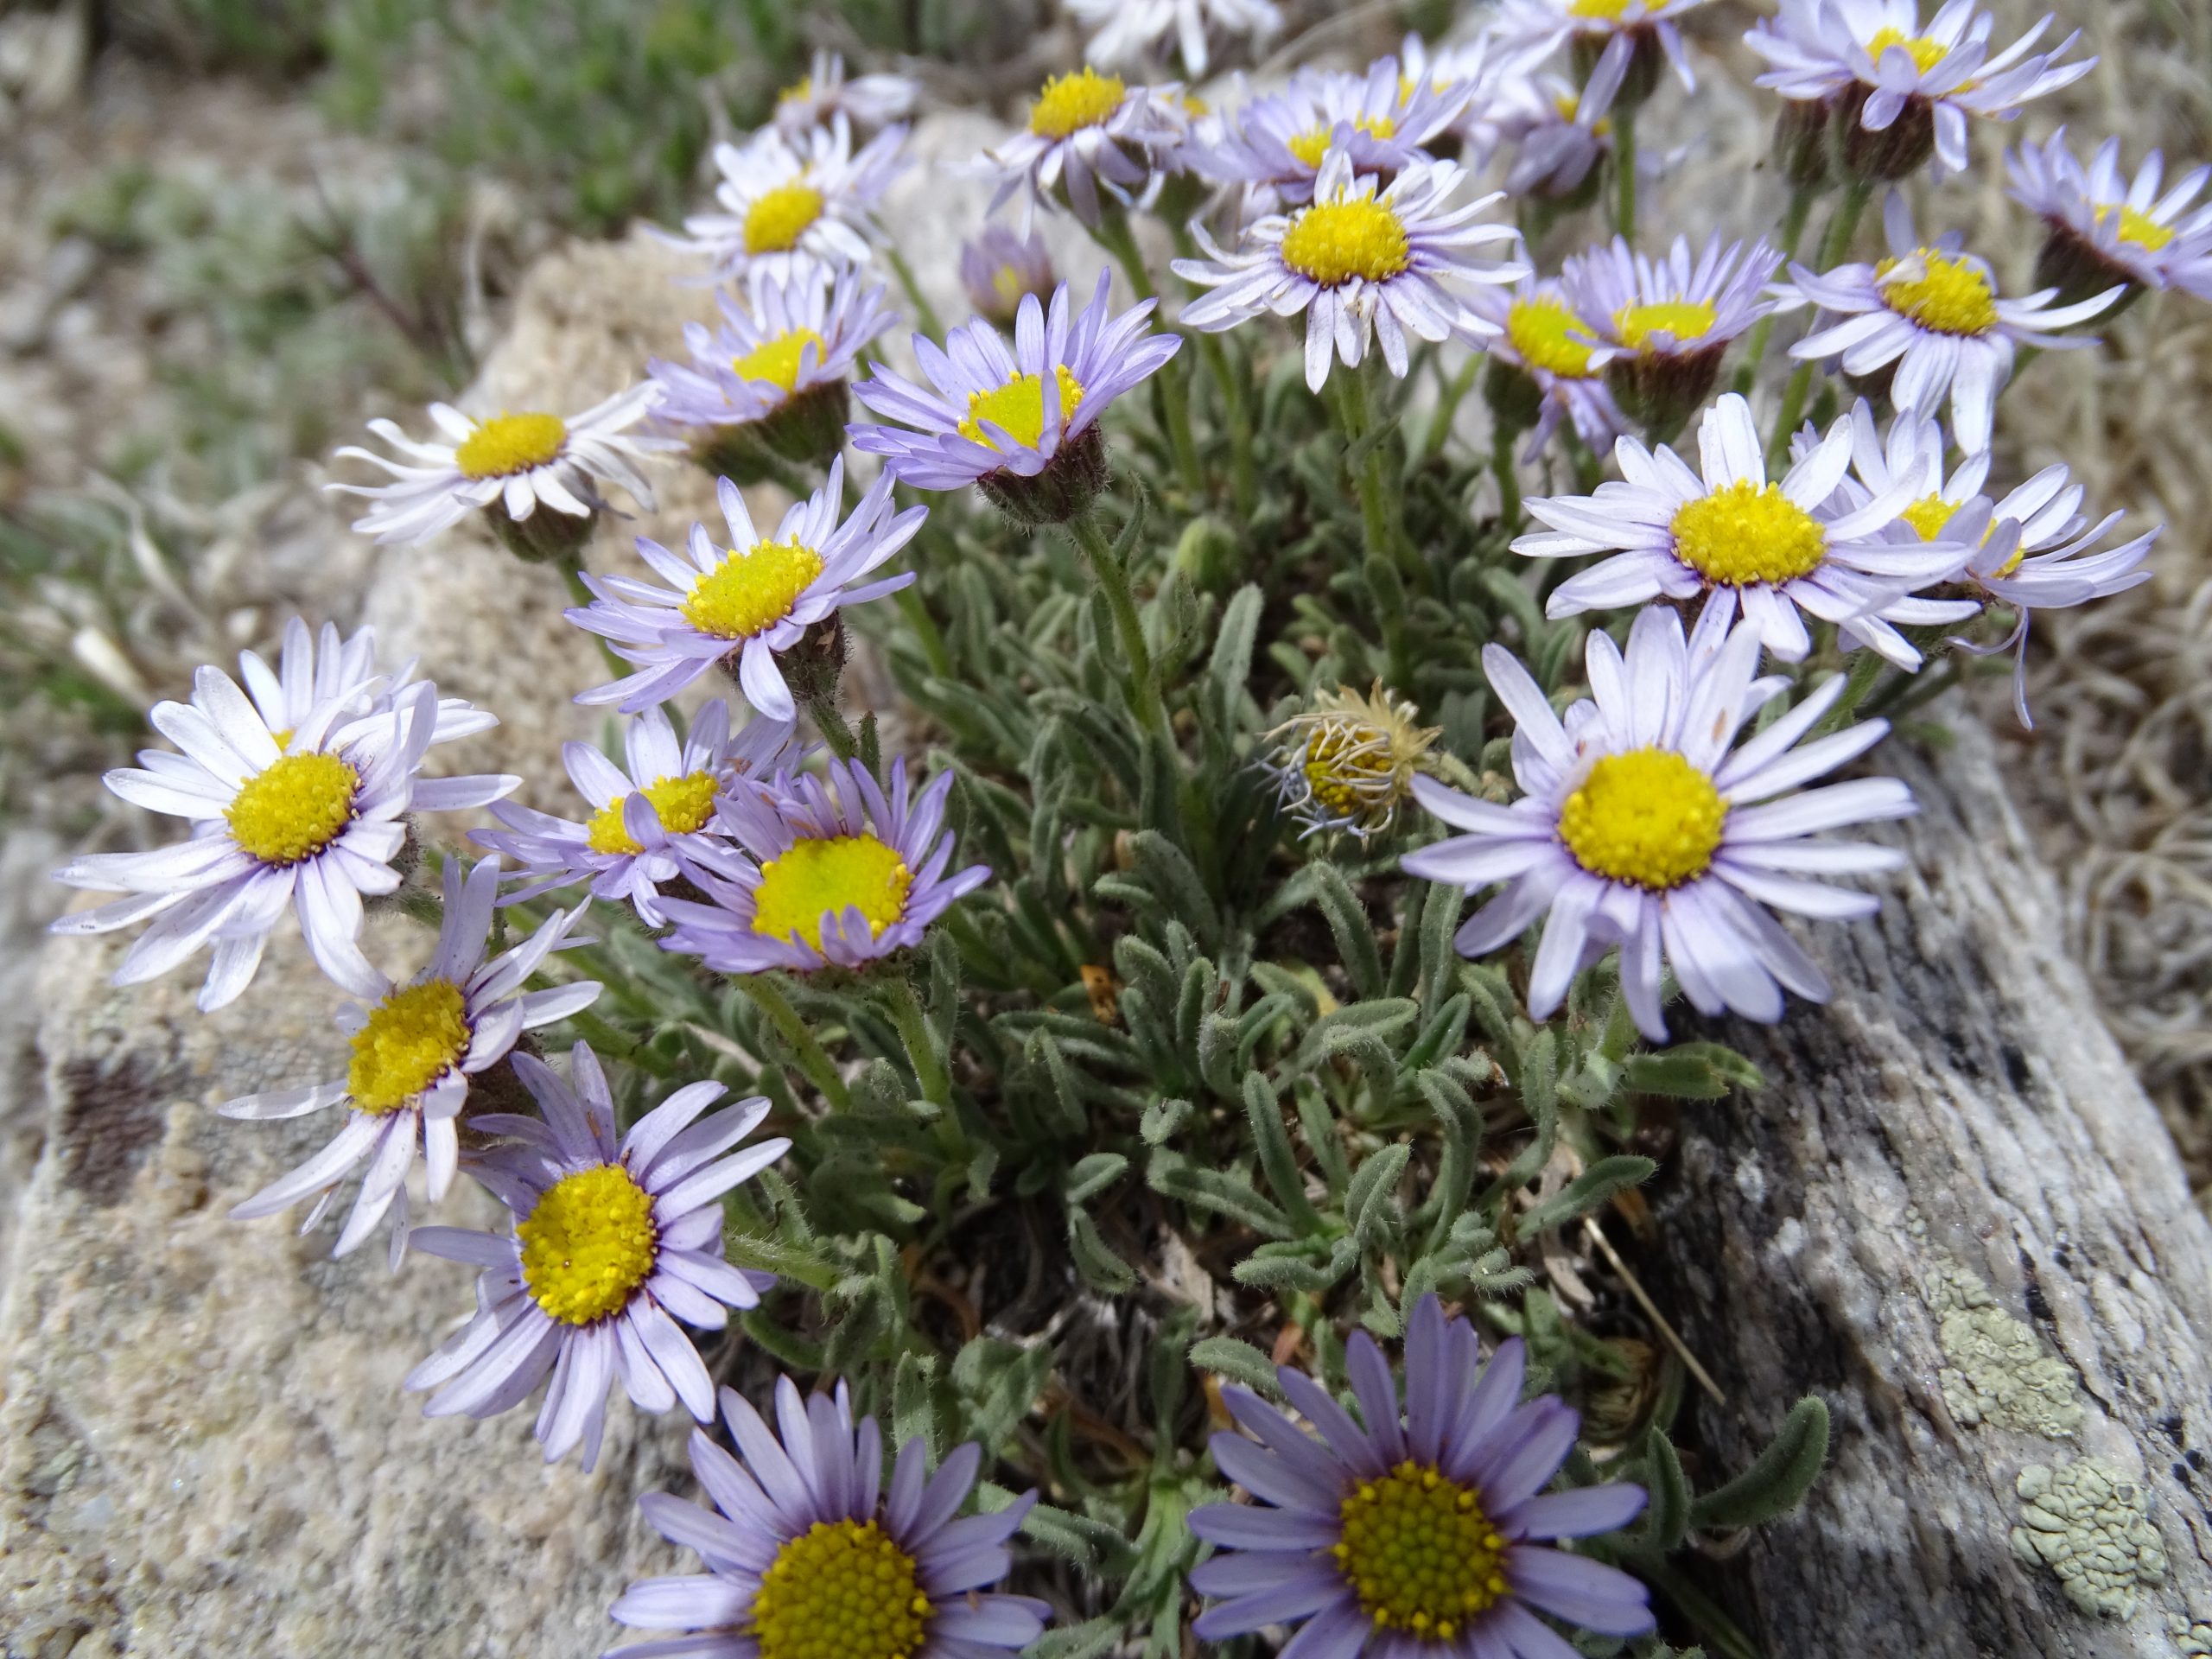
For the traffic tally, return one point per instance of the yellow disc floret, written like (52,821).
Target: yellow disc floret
(1419,1553)
(294,807)
(1607,11)
(1926,53)
(683,804)
(413,1038)
(827,877)
(750,591)
(841,1590)
(1311,145)
(1686,320)
(1017,408)
(589,1243)
(507,444)
(1346,765)
(778,361)
(1648,816)
(1070,103)
(1334,242)
(2145,232)
(1748,533)
(1542,331)
(779,217)
(1929,515)
(1946,294)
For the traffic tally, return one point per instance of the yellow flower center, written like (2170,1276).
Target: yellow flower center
(1748,533)
(1070,103)
(507,444)
(683,804)
(778,361)
(2145,232)
(294,807)
(1928,516)
(1539,330)
(1346,764)
(1607,11)
(412,1039)
(779,217)
(1926,53)
(799,91)
(589,1243)
(1648,816)
(841,1590)
(1419,1553)
(1017,408)
(1686,320)
(1313,144)
(827,877)
(1949,296)
(1007,287)
(750,591)
(1334,242)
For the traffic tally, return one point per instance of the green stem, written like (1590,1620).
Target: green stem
(1625,167)
(1837,241)
(909,600)
(1378,505)
(1866,669)
(830,723)
(1115,235)
(1793,407)
(1244,474)
(1509,478)
(1113,578)
(573,575)
(926,316)
(1447,407)
(1793,233)
(768,997)
(905,1010)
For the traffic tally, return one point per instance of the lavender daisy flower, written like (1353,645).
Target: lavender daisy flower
(1560,134)
(312,821)
(1540,335)
(792,202)
(826,93)
(642,822)
(415,1049)
(1662,326)
(1779,549)
(1625,38)
(1359,265)
(1425,1530)
(1934,311)
(1275,144)
(821,874)
(1085,131)
(1130,30)
(1000,268)
(778,365)
(1901,94)
(1640,827)
(2106,230)
(1020,425)
(516,463)
(748,601)
(806,1555)
(612,1243)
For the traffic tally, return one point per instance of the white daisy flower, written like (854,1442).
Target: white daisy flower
(824,93)
(779,364)
(341,671)
(517,462)
(792,201)
(1778,548)
(1661,326)
(2105,229)
(1560,134)
(1934,311)
(1275,144)
(749,599)
(1626,38)
(1641,826)
(312,821)
(1898,91)
(1540,335)
(1086,130)
(415,1048)
(641,823)
(1359,265)
(1128,30)
(613,1241)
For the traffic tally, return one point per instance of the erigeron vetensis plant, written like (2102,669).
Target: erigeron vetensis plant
(1108,1116)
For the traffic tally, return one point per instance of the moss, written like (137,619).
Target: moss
(1997,1372)
(2088,1523)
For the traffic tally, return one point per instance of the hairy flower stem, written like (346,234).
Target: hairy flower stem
(906,1010)
(1115,235)
(925,317)
(1378,506)
(1447,407)
(1509,477)
(1113,579)
(1793,233)
(1833,245)
(828,721)
(1236,406)
(1625,170)
(767,995)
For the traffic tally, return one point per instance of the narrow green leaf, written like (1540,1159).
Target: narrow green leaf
(1277,1157)
(1093,1175)
(1370,1204)
(1779,1476)
(1586,1192)
(1667,1517)
(1352,930)
(1690,1072)
(1102,1268)
(1240,1361)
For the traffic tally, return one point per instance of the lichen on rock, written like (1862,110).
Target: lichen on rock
(1999,1373)
(2089,1523)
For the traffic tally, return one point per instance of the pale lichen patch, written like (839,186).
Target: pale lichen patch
(1997,1372)
(2089,1523)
